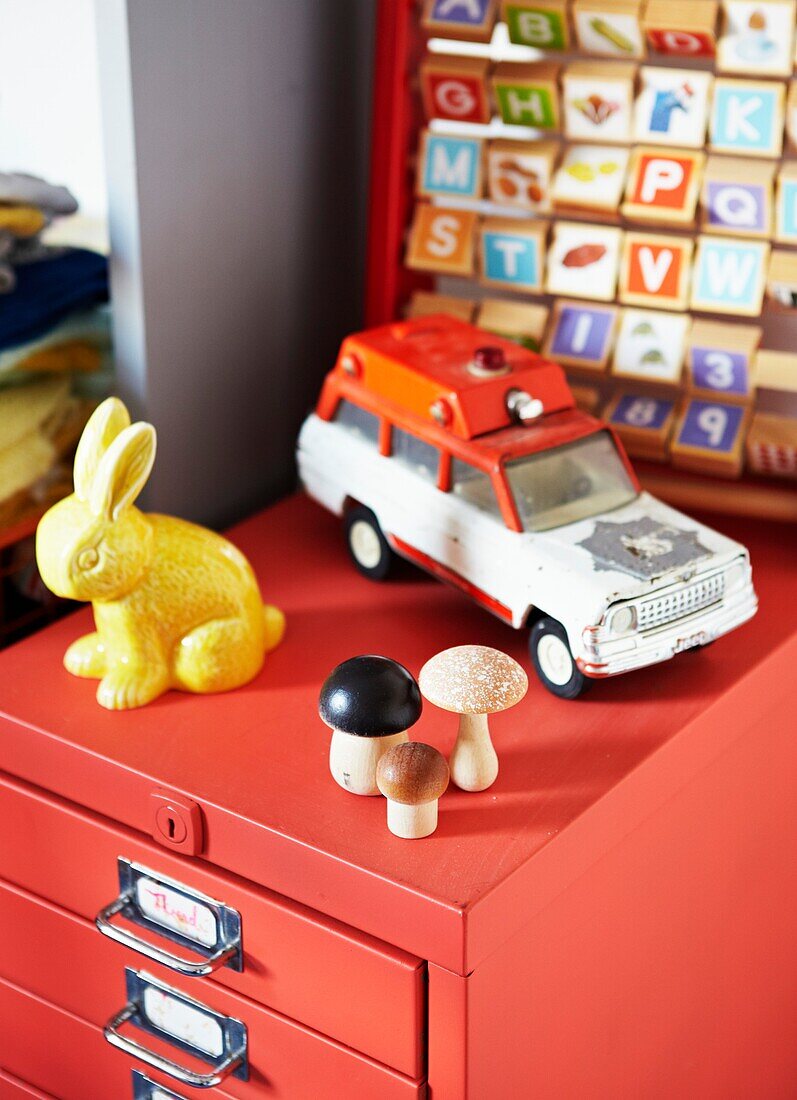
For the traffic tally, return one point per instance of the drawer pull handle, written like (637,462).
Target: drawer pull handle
(227,951)
(234,1060)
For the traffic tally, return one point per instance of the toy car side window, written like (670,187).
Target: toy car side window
(417,455)
(360,423)
(475,487)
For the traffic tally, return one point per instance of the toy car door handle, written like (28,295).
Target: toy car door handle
(180,965)
(185,1076)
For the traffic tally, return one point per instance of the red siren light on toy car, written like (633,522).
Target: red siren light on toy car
(488,362)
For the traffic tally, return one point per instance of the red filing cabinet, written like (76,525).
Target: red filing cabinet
(612,919)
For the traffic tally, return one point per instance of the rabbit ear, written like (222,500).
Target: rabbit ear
(123,471)
(106,422)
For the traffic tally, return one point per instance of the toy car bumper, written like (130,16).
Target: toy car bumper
(612,657)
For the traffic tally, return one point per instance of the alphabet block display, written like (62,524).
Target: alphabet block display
(582,335)
(747,117)
(643,422)
(786,205)
(455,88)
(471,20)
(519,173)
(709,437)
(611,28)
(729,275)
(450,166)
(737,197)
(721,360)
(758,37)
(672,106)
(663,185)
(772,445)
(655,270)
(681,28)
(528,95)
(543,24)
(519,321)
(442,240)
(423,303)
(598,100)
(591,177)
(513,253)
(583,261)
(651,346)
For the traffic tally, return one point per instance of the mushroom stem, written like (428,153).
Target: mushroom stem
(353,759)
(473,763)
(412,822)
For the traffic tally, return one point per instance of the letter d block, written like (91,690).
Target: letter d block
(455,88)
(528,95)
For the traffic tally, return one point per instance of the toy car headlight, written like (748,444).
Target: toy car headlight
(735,576)
(623,620)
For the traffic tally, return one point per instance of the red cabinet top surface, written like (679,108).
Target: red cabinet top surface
(575,777)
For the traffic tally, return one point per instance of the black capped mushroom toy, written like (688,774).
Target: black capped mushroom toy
(369,703)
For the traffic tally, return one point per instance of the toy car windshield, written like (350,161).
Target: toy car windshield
(571,483)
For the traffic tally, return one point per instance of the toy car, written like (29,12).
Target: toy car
(465,453)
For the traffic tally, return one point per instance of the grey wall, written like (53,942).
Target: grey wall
(236,137)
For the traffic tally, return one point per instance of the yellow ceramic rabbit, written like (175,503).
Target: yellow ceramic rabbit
(175,605)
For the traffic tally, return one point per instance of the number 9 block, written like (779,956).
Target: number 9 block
(709,438)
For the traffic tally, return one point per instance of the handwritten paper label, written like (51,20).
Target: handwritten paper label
(177,912)
(183,1022)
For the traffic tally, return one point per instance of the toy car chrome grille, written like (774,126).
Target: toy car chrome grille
(675,605)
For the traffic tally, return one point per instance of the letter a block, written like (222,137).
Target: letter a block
(442,240)
(663,185)
(655,270)
(470,20)
(542,24)
(450,166)
(455,88)
(729,276)
(528,95)
(709,438)
(513,253)
(747,117)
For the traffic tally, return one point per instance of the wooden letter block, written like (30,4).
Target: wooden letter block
(758,37)
(721,361)
(582,335)
(672,106)
(424,302)
(519,173)
(442,240)
(663,185)
(519,321)
(772,445)
(513,253)
(455,88)
(776,377)
(729,275)
(747,117)
(655,270)
(542,24)
(612,28)
(450,166)
(681,28)
(528,95)
(598,100)
(650,346)
(583,261)
(644,423)
(470,20)
(709,437)
(587,398)
(591,177)
(737,197)
(791,116)
(786,205)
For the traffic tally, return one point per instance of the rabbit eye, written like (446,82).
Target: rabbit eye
(88,558)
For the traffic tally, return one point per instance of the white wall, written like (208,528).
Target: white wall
(50,98)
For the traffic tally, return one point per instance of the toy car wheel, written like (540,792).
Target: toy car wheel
(368,547)
(553,662)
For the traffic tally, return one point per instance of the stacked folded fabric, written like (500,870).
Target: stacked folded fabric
(55,345)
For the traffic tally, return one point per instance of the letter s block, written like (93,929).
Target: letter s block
(441,240)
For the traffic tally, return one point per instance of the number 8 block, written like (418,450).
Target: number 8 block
(709,437)
(644,423)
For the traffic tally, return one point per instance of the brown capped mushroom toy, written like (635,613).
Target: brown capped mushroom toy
(412,777)
(369,703)
(473,681)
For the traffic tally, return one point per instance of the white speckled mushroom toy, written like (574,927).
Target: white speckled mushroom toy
(473,681)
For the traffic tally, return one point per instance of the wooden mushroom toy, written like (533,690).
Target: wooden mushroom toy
(369,703)
(473,681)
(412,777)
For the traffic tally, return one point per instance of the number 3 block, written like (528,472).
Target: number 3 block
(709,437)
(721,361)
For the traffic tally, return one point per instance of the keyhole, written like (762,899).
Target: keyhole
(171,828)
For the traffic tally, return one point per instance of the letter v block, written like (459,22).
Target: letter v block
(655,270)
(747,116)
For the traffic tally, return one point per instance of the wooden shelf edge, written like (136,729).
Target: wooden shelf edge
(741,498)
